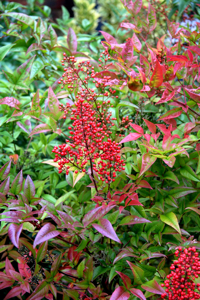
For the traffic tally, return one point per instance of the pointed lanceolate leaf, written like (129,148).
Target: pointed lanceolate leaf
(171,176)
(14,232)
(4,186)
(126,280)
(16,186)
(120,294)
(16,291)
(171,220)
(130,220)
(4,50)
(106,229)
(138,293)
(151,18)
(29,188)
(147,162)
(151,126)
(41,128)
(171,114)
(53,102)
(157,76)
(46,233)
(96,214)
(153,287)
(22,18)
(136,43)
(72,40)
(5,170)
(138,273)
(131,137)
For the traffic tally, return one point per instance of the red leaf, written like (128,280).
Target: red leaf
(8,267)
(16,291)
(23,268)
(178,58)
(120,294)
(137,293)
(195,49)
(137,128)
(127,25)
(157,76)
(46,233)
(14,232)
(10,101)
(106,229)
(131,137)
(72,40)
(151,126)
(147,162)
(126,280)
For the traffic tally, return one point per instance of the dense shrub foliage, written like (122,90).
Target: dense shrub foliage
(100,164)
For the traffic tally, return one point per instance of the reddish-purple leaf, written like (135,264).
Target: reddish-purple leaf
(72,40)
(136,43)
(126,280)
(147,162)
(29,188)
(5,170)
(96,214)
(157,76)
(127,25)
(137,5)
(131,137)
(130,220)
(16,291)
(46,233)
(120,294)
(14,232)
(8,268)
(40,128)
(144,184)
(4,186)
(16,186)
(34,47)
(40,292)
(10,101)
(127,51)
(23,127)
(145,63)
(153,287)
(106,229)
(109,38)
(138,293)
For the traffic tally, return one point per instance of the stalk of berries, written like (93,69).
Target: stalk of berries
(180,283)
(90,141)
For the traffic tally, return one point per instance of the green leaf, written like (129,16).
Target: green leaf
(99,271)
(37,66)
(22,18)
(4,50)
(171,220)
(81,268)
(188,173)
(171,176)
(138,273)
(63,198)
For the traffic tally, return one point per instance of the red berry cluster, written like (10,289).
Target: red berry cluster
(180,282)
(90,141)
